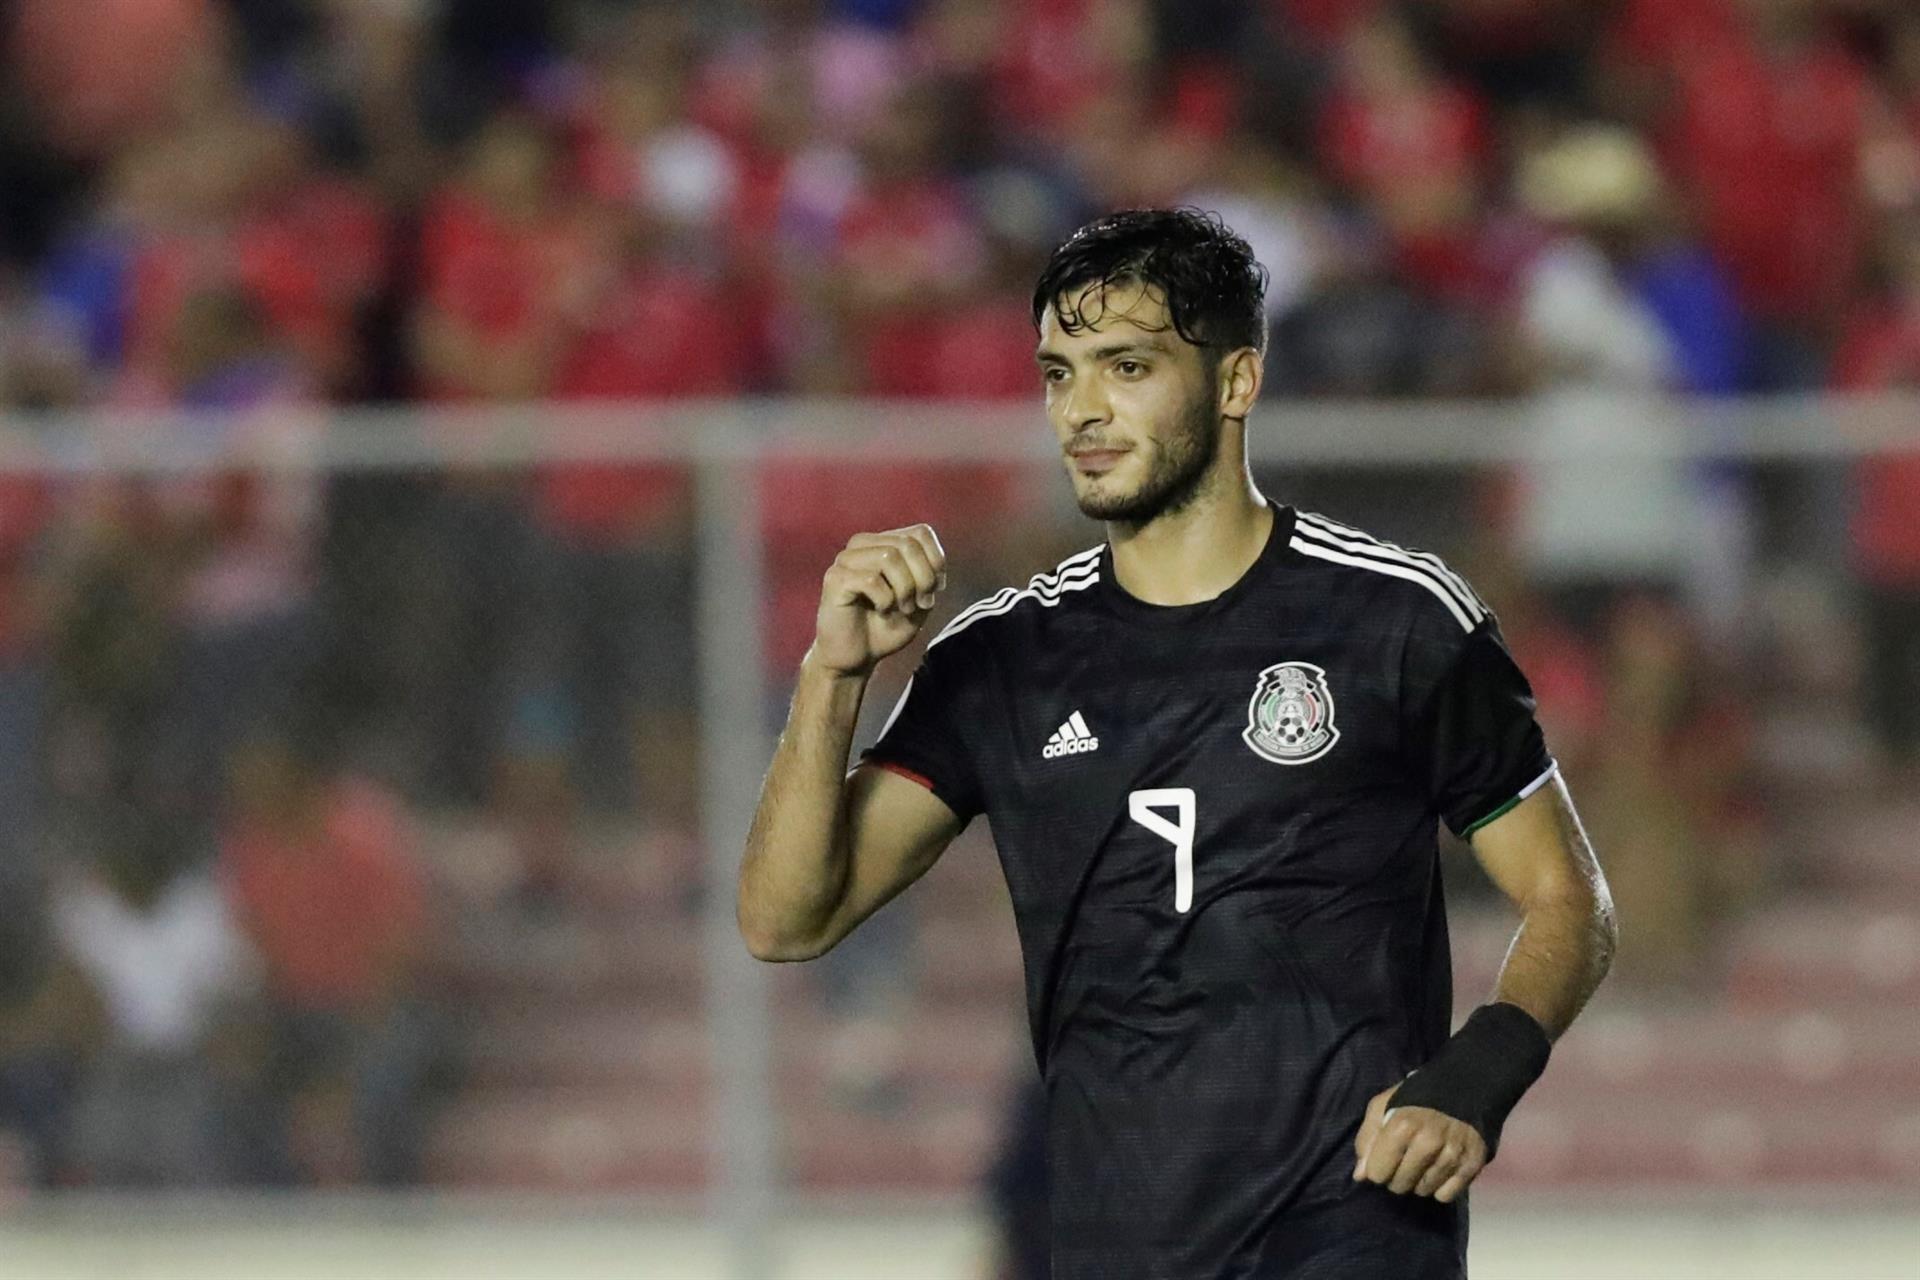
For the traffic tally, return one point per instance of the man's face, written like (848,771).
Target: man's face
(1132,403)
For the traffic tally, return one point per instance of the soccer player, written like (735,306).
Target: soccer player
(1215,751)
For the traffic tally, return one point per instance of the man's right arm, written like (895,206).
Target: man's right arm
(827,849)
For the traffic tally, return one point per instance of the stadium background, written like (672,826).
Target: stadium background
(425,424)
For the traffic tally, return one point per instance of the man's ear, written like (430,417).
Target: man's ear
(1240,374)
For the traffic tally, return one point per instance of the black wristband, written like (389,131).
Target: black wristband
(1480,1074)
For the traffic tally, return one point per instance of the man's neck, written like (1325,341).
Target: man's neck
(1198,553)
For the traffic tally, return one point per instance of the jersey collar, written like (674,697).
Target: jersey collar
(1135,610)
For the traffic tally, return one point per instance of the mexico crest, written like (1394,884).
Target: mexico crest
(1290,719)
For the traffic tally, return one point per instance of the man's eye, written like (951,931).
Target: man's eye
(1130,368)
(1054,373)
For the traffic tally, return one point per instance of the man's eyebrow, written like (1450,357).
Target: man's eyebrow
(1153,346)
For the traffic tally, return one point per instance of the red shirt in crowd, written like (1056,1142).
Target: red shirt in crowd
(1663,34)
(307,262)
(496,278)
(1880,353)
(1383,145)
(1771,147)
(332,911)
(1416,157)
(661,333)
(899,244)
(1050,67)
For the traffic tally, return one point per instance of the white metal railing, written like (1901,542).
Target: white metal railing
(1321,432)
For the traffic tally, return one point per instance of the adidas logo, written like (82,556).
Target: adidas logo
(1070,739)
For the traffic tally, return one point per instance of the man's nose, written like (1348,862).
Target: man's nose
(1087,405)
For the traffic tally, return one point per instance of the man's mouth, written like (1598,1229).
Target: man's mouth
(1094,461)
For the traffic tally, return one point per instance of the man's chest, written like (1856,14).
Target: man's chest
(1150,771)
(1279,716)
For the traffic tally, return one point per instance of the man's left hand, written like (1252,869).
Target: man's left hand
(1417,1149)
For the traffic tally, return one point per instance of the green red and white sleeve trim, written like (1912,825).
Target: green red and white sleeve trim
(1539,782)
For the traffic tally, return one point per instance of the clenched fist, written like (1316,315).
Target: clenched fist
(875,597)
(1417,1149)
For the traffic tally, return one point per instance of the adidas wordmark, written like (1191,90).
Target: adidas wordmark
(1070,739)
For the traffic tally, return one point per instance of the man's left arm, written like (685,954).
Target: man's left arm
(1538,854)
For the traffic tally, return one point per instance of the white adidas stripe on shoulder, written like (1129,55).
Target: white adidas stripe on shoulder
(1319,552)
(1047,594)
(1352,539)
(1076,573)
(1393,569)
(1050,581)
(1042,586)
(1346,536)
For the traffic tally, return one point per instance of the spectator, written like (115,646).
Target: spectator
(505,260)
(246,538)
(1325,25)
(247,210)
(324,879)
(1769,127)
(27,514)
(1412,149)
(908,247)
(1520,53)
(638,137)
(86,279)
(50,1023)
(1363,332)
(614,637)
(155,938)
(980,346)
(1261,194)
(932,302)
(508,263)
(114,646)
(231,204)
(1588,337)
(1881,352)
(1666,784)
(788,187)
(1056,64)
(366,82)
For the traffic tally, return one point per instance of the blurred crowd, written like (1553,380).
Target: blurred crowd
(212,203)
(237,208)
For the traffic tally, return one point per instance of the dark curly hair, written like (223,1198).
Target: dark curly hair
(1215,288)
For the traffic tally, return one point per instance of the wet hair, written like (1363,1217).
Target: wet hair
(1215,289)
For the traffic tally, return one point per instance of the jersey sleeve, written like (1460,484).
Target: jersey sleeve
(922,738)
(1474,735)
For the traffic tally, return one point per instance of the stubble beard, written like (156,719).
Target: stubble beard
(1178,475)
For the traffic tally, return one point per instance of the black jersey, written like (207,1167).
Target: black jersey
(1218,824)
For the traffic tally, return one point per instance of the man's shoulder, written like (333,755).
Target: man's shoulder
(1006,616)
(1415,584)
